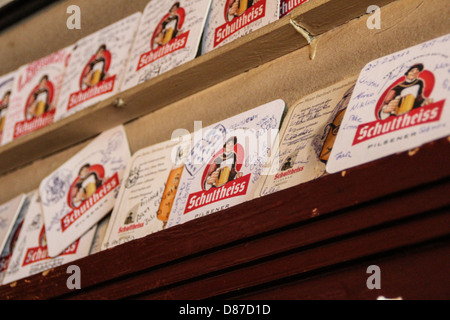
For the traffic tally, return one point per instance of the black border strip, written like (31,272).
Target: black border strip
(18,10)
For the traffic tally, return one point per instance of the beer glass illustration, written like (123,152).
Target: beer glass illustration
(405,105)
(170,29)
(242,6)
(97,73)
(41,102)
(2,123)
(224,175)
(90,189)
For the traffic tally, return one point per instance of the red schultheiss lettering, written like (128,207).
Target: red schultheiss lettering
(422,115)
(173,45)
(24,127)
(101,192)
(101,88)
(131,227)
(37,254)
(254,13)
(288,172)
(235,188)
(287,6)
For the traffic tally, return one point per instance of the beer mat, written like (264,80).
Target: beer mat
(6,85)
(307,137)
(6,253)
(232,19)
(8,249)
(35,95)
(286,6)
(30,255)
(146,196)
(168,36)
(100,233)
(83,190)
(399,103)
(97,66)
(226,162)
(9,212)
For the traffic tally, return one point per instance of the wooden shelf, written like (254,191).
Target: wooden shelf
(251,51)
(298,233)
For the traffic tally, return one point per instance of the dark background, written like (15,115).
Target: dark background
(17,10)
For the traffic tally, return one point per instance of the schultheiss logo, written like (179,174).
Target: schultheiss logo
(405,103)
(222,178)
(88,188)
(239,14)
(39,109)
(168,36)
(95,79)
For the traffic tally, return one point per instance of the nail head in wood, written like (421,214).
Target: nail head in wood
(119,103)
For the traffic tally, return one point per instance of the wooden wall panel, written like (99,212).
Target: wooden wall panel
(296,227)
(413,274)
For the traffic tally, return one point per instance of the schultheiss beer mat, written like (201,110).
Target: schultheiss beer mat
(8,215)
(30,255)
(400,102)
(83,190)
(146,196)
(286,6)
(35,95)
(8,249)
(307,137)
(168,36)
(97,66)
(226,162)
(231,19)
(6,84)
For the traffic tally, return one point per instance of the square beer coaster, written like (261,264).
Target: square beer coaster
(226,162)
(168,36)
(400,102)
(83,190)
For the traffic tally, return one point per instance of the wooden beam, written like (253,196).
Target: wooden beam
(293,207)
